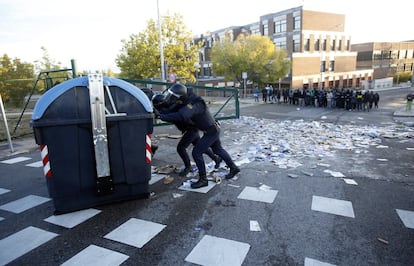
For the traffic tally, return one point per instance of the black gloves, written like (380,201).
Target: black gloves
(156,113)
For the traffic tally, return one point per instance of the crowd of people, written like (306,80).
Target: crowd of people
(349,99)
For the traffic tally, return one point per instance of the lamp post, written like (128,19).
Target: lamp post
(161,45)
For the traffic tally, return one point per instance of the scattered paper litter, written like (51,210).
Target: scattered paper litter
(333,173)
(168,180)
(307,173)
(231,185)
(382,160)
(174,136)
(317,139)
(242,161)
(382,147)
(383,241)
(410,149)
(254,226)
(350,181)
(264,187)
(324,164)
(293,176)
(177,195)
(166,169)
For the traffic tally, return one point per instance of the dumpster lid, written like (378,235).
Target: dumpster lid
(52,94)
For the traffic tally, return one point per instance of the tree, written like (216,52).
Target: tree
(46,62)
(140,56)
(48,67)
(256,55)
(16,79)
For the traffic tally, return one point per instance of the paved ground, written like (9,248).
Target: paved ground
(270,215)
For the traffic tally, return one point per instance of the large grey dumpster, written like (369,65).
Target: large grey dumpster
(95,137)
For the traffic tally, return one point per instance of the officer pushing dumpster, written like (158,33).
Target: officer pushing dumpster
(94,134)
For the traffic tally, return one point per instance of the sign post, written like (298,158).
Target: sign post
(244,76)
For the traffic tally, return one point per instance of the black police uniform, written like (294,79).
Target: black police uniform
(194,111)
(190,135)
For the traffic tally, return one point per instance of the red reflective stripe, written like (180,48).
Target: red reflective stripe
(45,160)
(148,150)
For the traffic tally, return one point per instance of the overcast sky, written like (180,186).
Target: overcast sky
(91,31)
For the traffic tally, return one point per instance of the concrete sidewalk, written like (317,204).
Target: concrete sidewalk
(404,113)
(18,146)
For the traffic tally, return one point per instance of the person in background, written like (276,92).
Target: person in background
(193,110)
(410,97)
(256,93)
(264,95)
(376,100)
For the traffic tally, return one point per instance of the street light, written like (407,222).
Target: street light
(161,45)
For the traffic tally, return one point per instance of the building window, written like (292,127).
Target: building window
(296,23)
(307,45)
(377,55)
(339,45)
(296,43)
(365,56)
(206,71)
(348,45)
(316,45)
(280,42)
(386,54)
(255,29)
(332,65)
(265,28)
(280,26)
(323,68)
(324,45)
(332,44)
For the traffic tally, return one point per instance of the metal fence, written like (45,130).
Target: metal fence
(222,102)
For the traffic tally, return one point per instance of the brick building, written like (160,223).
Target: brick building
(316,44)
(387,59)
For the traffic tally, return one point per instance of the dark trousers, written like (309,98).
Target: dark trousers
(190,137)
(210,139)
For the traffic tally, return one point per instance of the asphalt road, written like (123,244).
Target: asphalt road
(305,214)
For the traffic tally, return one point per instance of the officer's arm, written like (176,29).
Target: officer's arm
(171,117)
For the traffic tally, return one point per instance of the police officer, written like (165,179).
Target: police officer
(194,111)
(190,134)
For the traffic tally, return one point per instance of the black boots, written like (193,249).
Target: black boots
(233,171)
(218,161)
(185,171)
(202,182)
(154,148)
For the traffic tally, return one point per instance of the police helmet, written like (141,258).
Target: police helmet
(158,100)
(176,92)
